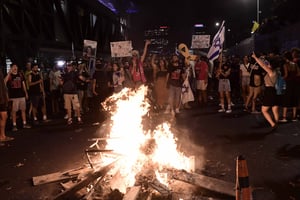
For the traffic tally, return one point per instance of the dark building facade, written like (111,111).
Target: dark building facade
(49,28)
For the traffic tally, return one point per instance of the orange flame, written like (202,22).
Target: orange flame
(130,139)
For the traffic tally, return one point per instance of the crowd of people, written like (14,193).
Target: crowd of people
(75,89)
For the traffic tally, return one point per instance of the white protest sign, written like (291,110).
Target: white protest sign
(121,49)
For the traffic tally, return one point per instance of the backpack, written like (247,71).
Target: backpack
(280,84)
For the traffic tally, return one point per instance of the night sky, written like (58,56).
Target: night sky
(181,16)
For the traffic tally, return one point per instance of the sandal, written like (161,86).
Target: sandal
(6,139)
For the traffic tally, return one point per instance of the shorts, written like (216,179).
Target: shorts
(224,85)
(3,107)
(55,94)
(201,85)
(71,100)
(270,98)
(245,80)
(36,100)
(18,104)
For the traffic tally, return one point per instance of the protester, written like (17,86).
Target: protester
(255,88)
(296,59)
(55,89)
(82,86)
(100,88)
(27,72)
(37,93)
(269,100)
(3,109)
(70,92)
(291,71)
(174,82)
(17,93)
(116,78)
(136,66)
(245,68)
(223,74)
(160,72)
(201,69)
(128,82)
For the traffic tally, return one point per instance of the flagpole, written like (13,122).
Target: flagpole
(257,11)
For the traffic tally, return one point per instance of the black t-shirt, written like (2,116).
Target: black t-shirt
(70,82)
(101,78)
(175,75)
(83,85)
(15,86)
(35,89)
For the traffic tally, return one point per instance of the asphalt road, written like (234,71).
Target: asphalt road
(216,139)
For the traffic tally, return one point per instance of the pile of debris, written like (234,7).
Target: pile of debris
(96,181)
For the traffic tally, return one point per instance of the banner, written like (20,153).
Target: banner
(89,48)
(121,49)
(217,44)
(200,41)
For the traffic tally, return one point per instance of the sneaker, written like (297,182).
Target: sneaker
(294,119)
(26,126)
(283,120)
(221,110)
(79,120)
(232,104)
(66,116)
(228,111)
(6,139)
(187,106)
(69,121)
(177,110)
(14,128)
(255,112)
(45,118)
(274,128)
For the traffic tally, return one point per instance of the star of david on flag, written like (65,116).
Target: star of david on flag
(217,44)
(186,92)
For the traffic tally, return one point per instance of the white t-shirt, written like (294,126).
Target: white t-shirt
(244,68)
(54,79)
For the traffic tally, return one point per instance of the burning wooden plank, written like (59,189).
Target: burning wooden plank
(59,176)
(161,188)
(69,194)
(205,182)
(132,193)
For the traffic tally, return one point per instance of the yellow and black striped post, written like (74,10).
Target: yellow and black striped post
(243,190)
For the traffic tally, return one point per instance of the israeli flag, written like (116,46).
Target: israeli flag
(186,91)
(217,44)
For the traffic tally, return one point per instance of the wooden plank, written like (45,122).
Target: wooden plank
(132,193)
(71,192)
(59,176)
(205,182)
(161,188)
